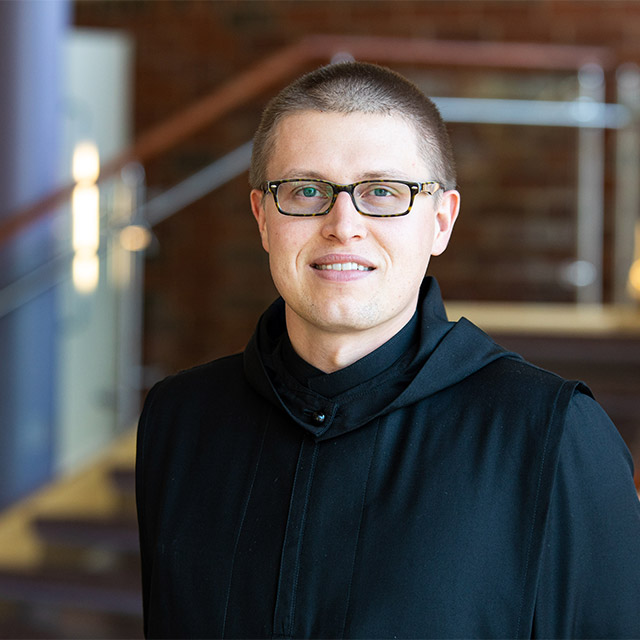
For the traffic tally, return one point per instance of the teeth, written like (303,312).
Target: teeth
(343,266)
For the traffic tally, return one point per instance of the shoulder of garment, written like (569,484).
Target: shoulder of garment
(589,580)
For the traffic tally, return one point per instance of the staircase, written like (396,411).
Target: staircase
(69,562)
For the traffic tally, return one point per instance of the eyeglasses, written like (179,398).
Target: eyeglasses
(377,198)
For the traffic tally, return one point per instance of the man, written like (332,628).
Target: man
(367,469)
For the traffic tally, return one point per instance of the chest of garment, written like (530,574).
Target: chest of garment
(419,524)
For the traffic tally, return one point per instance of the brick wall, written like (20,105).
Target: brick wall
(207,277)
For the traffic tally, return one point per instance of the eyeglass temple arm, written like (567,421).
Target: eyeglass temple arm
(429,187)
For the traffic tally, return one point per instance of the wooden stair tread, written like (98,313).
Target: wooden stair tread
(117,534)
(46,623)
(123,478)
(107,592)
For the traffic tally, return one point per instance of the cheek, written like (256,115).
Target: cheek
(411,245)
(285,245)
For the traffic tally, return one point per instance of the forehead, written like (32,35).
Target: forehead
(345,147)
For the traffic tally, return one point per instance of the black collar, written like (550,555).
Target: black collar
(368,367)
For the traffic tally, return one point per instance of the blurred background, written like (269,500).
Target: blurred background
(128,250)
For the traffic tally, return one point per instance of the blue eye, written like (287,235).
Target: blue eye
(310,192)
(381,190)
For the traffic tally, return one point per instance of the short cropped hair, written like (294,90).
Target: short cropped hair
(357,87)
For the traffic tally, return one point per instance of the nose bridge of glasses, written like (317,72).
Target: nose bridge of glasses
(347,189)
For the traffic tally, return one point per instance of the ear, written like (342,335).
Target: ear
(257,208)
(446,215)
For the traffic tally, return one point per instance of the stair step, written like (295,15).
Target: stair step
(118,534)
(44,623)
(108,593)
(124,479)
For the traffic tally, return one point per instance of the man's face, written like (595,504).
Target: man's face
(395,252)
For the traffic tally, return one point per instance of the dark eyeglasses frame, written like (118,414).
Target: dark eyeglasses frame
(271,186)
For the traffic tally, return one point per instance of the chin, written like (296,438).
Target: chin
(346,320)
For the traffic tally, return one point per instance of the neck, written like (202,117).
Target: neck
(330,350)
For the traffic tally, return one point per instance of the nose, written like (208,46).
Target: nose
(343,222)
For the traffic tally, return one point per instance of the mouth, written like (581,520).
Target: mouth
(343,262)
(342,266)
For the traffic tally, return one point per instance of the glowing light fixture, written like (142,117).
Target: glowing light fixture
(85,213)
(634,278)
(86,162)
(86,218)
(135,237)
(634,271)
(86,273)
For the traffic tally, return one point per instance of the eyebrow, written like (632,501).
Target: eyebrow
(388,174)
(302,173)
(385,174)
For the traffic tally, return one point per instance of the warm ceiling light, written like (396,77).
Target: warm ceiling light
(634,279)
(86,273)
(86,162)
(85,215)
(135,237)
(85,207)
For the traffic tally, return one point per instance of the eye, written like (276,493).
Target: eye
(309,192)
(380,190)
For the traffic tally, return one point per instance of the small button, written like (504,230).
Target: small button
(318,417)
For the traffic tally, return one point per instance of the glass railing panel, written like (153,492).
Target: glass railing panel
(99,320)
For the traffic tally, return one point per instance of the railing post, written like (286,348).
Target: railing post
(590,215)
(627,204)
(129,284)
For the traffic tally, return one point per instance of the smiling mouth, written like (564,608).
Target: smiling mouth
(342,266)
